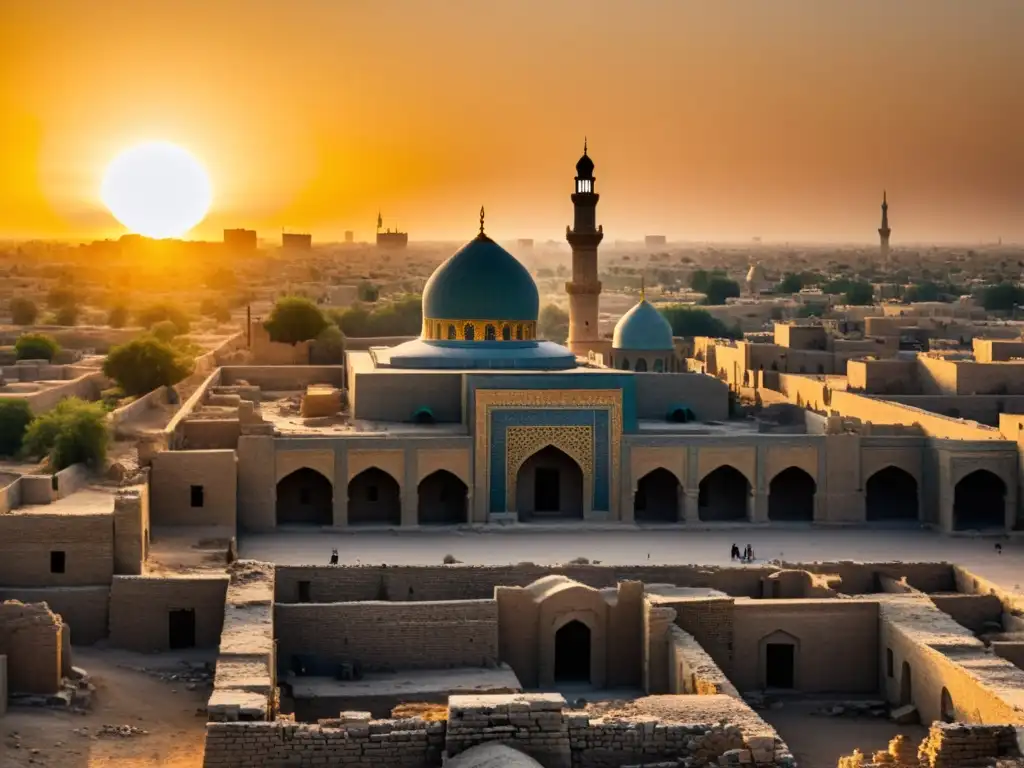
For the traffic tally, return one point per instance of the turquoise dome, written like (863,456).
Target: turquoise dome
(643,328)
(481,281)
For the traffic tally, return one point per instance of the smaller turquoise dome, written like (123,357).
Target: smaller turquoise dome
(481,281)
(644,329)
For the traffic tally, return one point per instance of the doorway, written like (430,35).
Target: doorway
(181,628)
(546,497)
(572,653)
(780,663)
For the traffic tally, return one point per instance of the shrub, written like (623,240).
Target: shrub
(721,288)
(295,319)
(143,364)
(58,298)
(400,318)
(860,293)
(149,316)
(165,330)
(118,316)
(15,416)
(23,311)
(73,432)
(328,348)
(36,346)
(67,315)
(553,323)
(215,309)
(689,321)
(367,291)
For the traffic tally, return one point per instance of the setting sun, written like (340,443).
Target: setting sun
(157,189)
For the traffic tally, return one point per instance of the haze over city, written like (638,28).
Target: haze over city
(783,120)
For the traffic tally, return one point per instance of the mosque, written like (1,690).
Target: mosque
(480,421)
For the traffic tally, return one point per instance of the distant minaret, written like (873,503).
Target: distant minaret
(884,231)
(584,289)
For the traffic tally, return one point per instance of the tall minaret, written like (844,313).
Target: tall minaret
(584,289)
(884,231)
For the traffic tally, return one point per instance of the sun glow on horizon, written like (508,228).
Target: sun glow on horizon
(157,189)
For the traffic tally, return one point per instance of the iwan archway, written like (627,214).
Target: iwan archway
(550,485)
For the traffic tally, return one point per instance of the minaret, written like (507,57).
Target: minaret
(884,232)
(584,289)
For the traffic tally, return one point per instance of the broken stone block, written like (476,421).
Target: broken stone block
(907,715)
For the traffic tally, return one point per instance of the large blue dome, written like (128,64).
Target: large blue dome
(481,281)
(643,328)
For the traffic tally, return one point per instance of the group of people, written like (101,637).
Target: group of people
(747,556)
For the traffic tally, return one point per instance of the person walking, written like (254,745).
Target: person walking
(334,557)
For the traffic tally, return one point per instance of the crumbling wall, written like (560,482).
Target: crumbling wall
(85,610)
(952,745)
(140,608)
(532,723)
(710,621)
(377,635)
(692,670)
(131,529)
(31,638)
(976,612)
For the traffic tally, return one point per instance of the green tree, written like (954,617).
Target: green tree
(118,316)
(860,293)
(145,363)
(837,286)
(165,330)
(926,291)
(1002,297)
(149,316)
(791,282)
(295,319)
(329,347)
(73,432)
(15,416)
(553,323)
(66,315)
(23,311)
(692,321)
(403,317)
(36,346)
(367,291)
(721,288)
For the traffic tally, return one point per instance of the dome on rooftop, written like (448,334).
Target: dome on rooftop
(643,328)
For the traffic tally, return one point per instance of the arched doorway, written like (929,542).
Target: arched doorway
(549,486)
(572,653)
(723,495)
(791,496)
(657,497)
(374,498)
(906,686)
(947,712)
(979,501)
(890,494)
(441,499)
(305,497)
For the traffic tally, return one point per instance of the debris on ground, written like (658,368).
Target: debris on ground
(198,672)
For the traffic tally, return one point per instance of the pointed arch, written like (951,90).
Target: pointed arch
(442,499)
(304,497)
(791,496)
(549,484)
(657,497)
(374,498)
(979,501)
(891,494)
(723,494)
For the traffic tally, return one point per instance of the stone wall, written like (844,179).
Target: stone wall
(31,639)
(84,610)
(378,635)
(28,538)
(173,477)
(955,745)
(710,622)
(140,609)
(532,723)
(971,611)
(692,670)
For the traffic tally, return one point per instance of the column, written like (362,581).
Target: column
(410,490)
(340,516)
(757,507)
(691,506)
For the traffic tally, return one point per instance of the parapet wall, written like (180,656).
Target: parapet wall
(84,610)
(335,584)
(420,635)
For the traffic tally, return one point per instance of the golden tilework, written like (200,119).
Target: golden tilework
(435,329)
(522,442)
(487,400)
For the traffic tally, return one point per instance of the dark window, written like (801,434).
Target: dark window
(57,562)
(451,332)
(196,492)
(519,332)
(779,662)
(888,662)
(372,493)
(304,592)
(506,333)
(490,333)
(181,628)
(470,332)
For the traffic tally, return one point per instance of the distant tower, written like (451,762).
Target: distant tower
(584,289)
(884,231)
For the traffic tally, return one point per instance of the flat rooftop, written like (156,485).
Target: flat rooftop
(87,501)
(409,684)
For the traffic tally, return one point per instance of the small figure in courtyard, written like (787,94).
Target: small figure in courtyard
(734,553)
(999,548)
(334,557)
(748,554)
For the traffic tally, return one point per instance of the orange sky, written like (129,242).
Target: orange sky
(707,120)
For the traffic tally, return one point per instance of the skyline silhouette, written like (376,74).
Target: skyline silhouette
(781,120)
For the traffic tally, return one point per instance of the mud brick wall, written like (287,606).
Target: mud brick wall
(532,723)
(426,635)
(955,745)
(31,639)
(140,607)
(27,539)
(692,670)
(376,744)
(84,609)
(861,578)
(131,530)
(971,611)
(710,621)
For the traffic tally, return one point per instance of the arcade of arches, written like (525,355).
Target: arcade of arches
(374,498)
(723,495)
(791,496)
(657,498)
(305,497)
(549,485)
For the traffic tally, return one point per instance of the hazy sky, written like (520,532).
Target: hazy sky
(706,120)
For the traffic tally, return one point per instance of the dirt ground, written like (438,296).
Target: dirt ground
(819,742)
(167,710)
